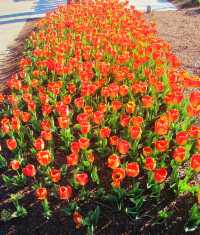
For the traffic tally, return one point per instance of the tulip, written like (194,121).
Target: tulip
(160,175)
(79,102)
(97,117)
(147,101)
(194,132)
(182,137)
(132,169)
(161,145)
(29,170)
(123,146)
(41,193)
(116,105)
(162,125)
(135,132)
(72,159)
(195,162)
(25,116)
(124,120)
(44,157)
(198,144)
(63,122)
(82,178)
(102,108)
(105,132)
(173,115)
(118,175)
(46,135)
(85,128)
(113,161)
(179,154)
(150,164)
(38,144)
(77,218)
(130,107)
(74,147)
(137,121)
(123,90)
(65,192)
(84,143)
(147,151)
(14,165)
(55,175)
(114,140)
(11,144)
(45,125)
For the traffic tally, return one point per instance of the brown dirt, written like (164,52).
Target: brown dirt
(182,30)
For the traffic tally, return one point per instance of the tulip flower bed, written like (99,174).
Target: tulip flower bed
(97,115)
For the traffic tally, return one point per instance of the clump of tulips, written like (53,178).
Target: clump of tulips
(98,110)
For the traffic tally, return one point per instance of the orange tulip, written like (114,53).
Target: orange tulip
(44,157)
(113,161)
(41,193)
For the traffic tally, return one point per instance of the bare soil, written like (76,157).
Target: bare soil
(182,30)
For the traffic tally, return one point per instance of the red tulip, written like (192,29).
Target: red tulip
(29,170)
(195,162)
(132,169)
(38,144)
(135,132)
(105,132)
(182,137)
(124,120)
(160,175)
(173,115)
(74,147)
(82,178)
(147,101)
(77,218)
(11,144)
(65,192)
(46,135)
(150,164)
(85,128)
(72,159)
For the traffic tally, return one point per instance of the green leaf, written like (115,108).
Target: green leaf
(94,175)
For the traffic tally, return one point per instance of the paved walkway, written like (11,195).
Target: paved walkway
(159,5)
(13,16)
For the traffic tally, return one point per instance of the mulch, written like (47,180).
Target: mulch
(182,30)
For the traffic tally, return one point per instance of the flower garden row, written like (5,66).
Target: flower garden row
(98,110)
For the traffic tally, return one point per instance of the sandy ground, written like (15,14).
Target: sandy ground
(182,30)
